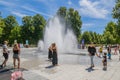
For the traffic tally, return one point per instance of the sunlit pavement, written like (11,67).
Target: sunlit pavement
(35,66)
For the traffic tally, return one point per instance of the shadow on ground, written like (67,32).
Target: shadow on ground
(5,73)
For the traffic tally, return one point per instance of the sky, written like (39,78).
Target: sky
(95,14)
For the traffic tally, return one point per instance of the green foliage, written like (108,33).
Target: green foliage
(2,25)
(10,22)
(116,15)
(15,34)
(32,28)
(39,23)
(87,37)
(110,33)
(90,36)
(72,18)
(27,28)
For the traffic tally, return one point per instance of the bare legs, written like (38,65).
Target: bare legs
(4,63)
(14,62)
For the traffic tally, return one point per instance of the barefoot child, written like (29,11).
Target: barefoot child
(105,61)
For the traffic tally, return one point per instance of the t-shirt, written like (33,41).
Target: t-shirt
(92,50)
(100,50)
(5,49)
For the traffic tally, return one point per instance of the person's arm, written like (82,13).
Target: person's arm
(18,49)
(56,50)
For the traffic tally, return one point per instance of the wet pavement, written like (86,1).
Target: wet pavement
(36,66)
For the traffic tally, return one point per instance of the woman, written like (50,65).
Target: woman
(50,53)
(5,54)
(55,58)
(16,52)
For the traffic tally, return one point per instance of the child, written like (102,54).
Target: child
(100,52)
(105,61)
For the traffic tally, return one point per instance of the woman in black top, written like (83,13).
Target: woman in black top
(55,58)
(16,52)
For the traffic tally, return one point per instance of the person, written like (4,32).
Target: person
(16,52)
(104,61)
(50,53)
(5,54)
(17,75)
(55,57)
(92,52)
(101,51)
(119,51)
(115,52)
(109,52)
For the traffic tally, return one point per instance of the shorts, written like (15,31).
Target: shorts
(16,56)
(5,55)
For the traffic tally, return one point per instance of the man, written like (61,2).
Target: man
(92,52)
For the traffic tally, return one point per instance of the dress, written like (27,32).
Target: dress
(49,54)
(55,59)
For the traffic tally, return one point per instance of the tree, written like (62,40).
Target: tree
(15,34)
(87,37)
(39,23)
(116,15)
(2,25)
(110,36)
(10,22)
(27,29)
(32,28)
(62,11)
(72,18)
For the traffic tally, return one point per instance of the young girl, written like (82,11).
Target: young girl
(105,61)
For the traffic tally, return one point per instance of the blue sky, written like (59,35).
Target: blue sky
(95,14)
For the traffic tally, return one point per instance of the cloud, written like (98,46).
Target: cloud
(35,11)
(92,9)
(5,3)
(69,2)
(87,24)
(108,3)
(18,14)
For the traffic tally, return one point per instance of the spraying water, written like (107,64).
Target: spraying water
(56,31)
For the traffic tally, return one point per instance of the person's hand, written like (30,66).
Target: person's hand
(89,54)
(97,55)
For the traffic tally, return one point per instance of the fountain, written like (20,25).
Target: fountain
(57,31)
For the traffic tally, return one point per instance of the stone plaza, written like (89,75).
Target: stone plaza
(36,66)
